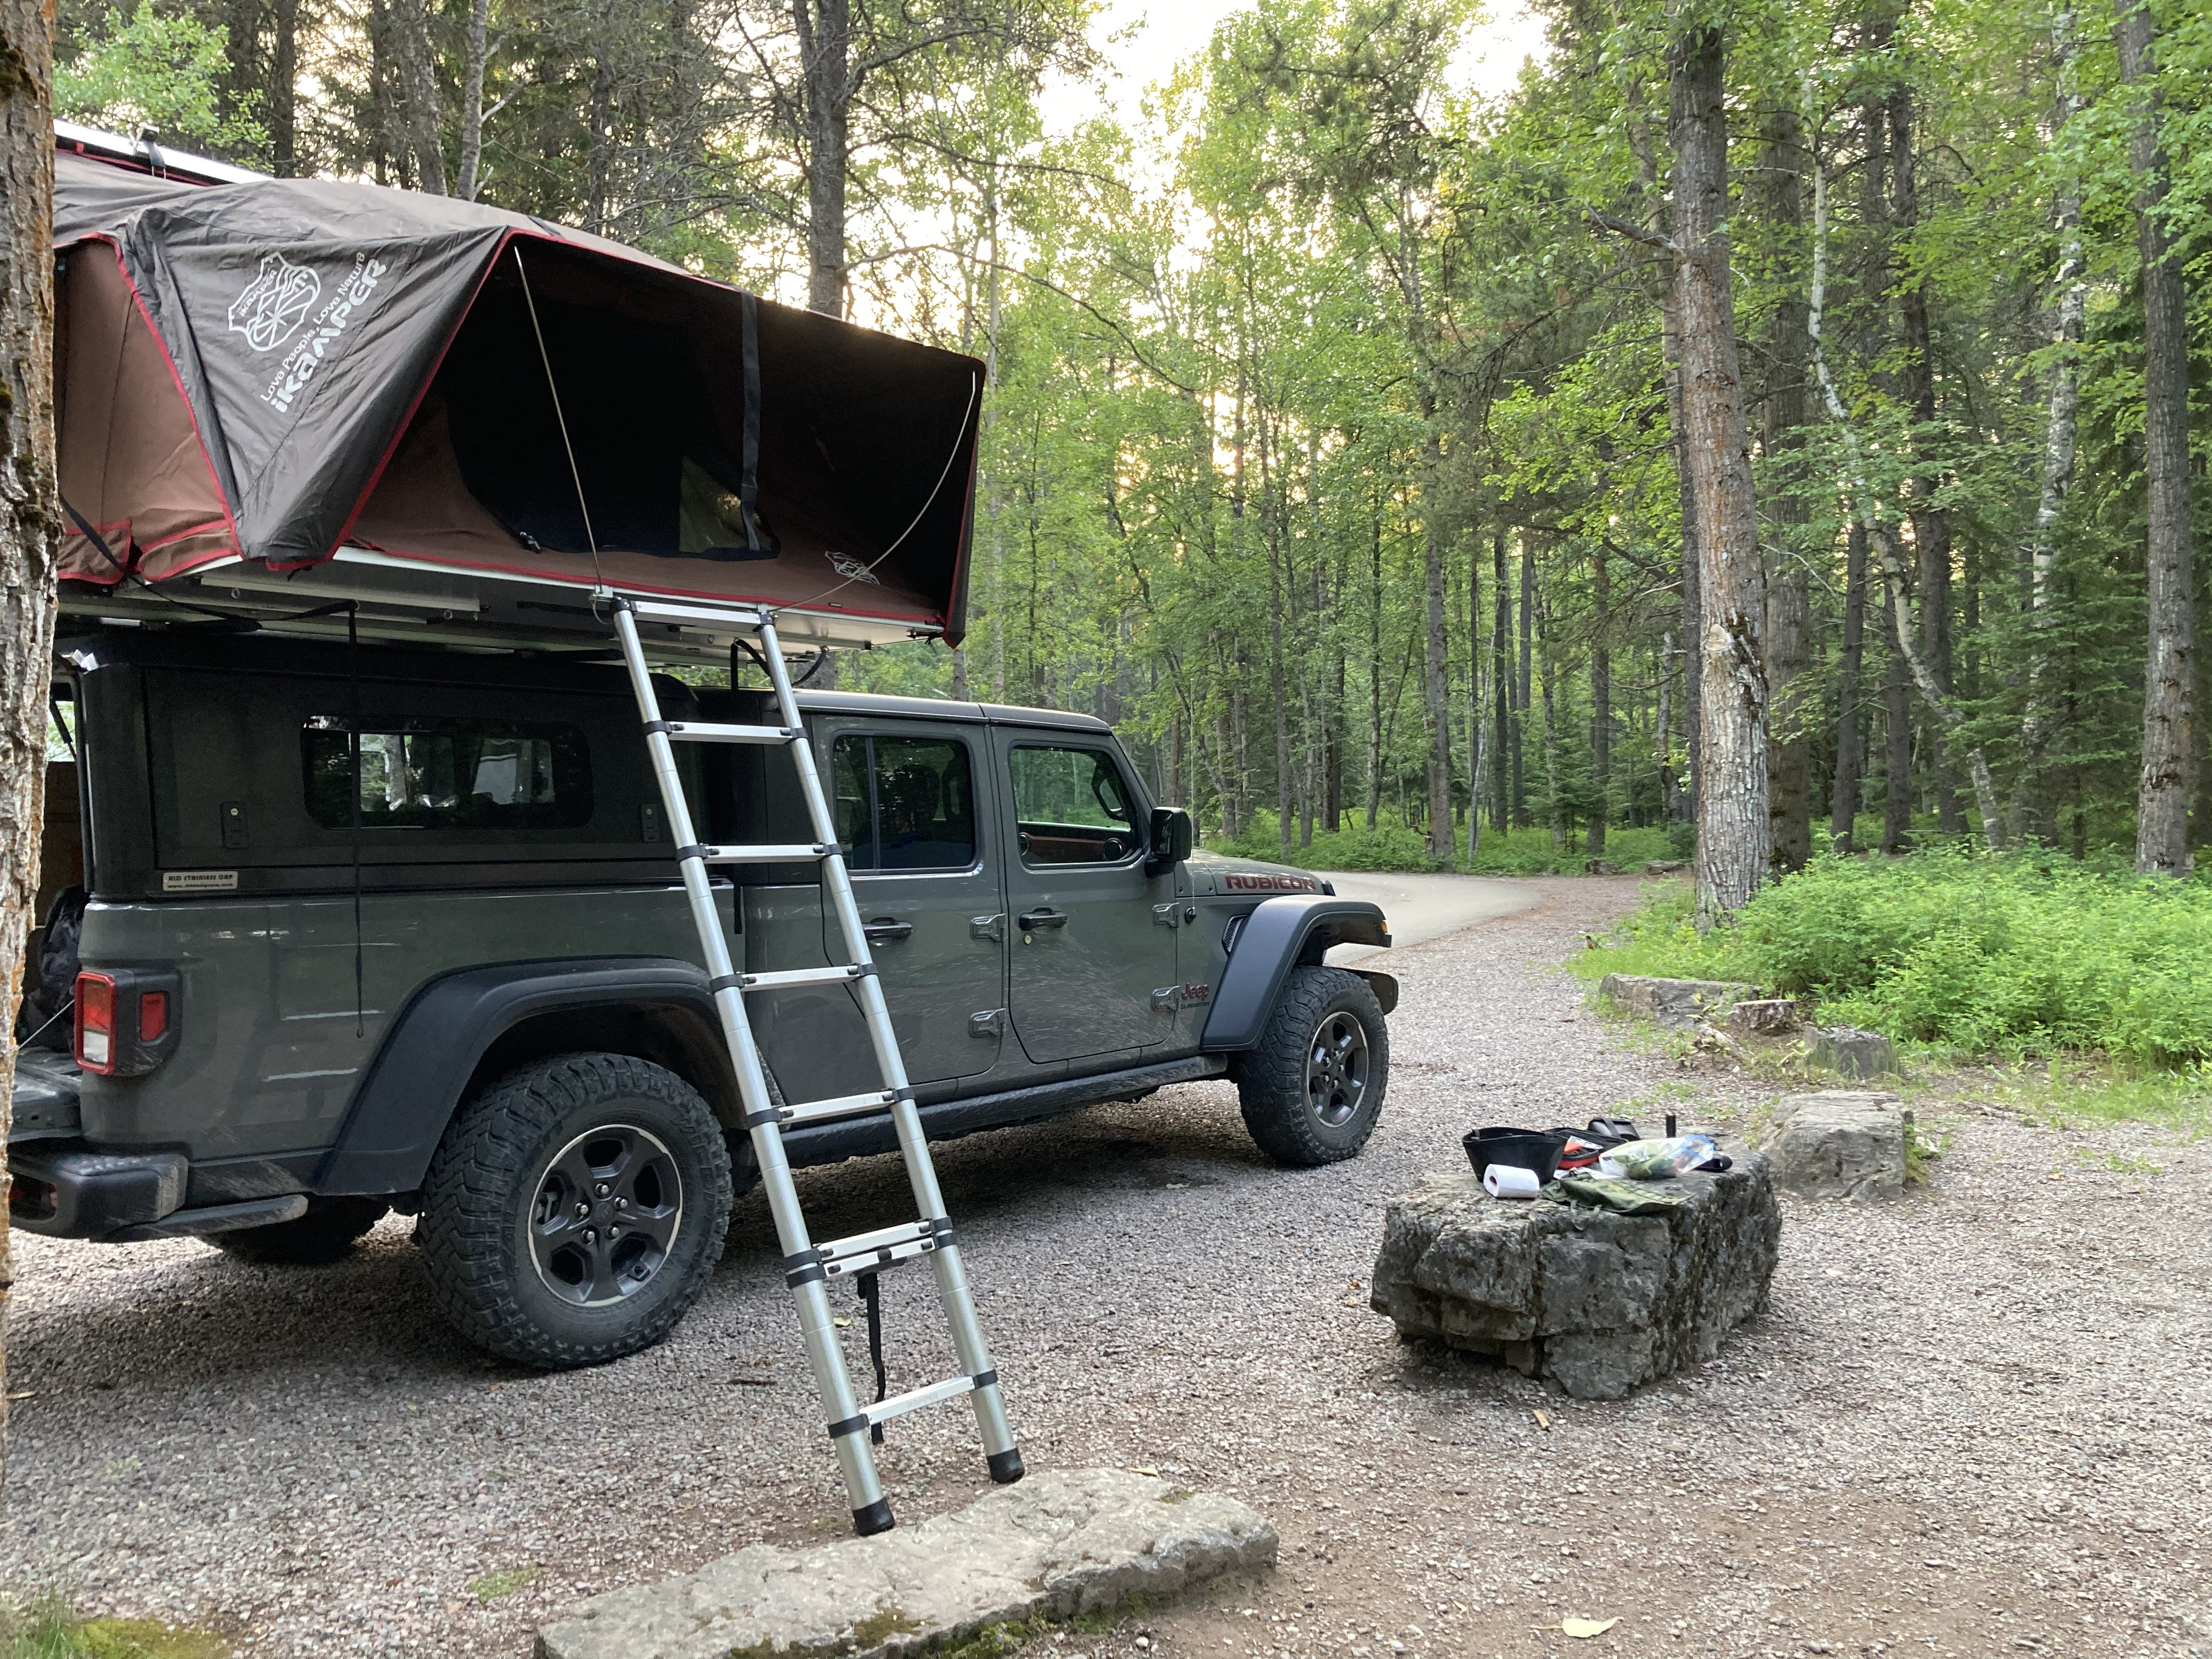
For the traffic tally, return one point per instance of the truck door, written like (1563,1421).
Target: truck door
(1090,963)
(915,824)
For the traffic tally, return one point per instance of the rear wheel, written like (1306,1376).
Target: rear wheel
(1312,1087)
(576,1209)
(327,1233)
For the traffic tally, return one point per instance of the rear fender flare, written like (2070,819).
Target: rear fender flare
(414,1083)
(1282,934)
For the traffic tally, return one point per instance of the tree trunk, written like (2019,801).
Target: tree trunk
(1557,813)
(30,526)
(1277,687)
(473,115)
(1437,664)
(1931,525)
(1732,776)
(2034,807)
(418,87)
(1501,684)
(1897,728)
(1521,814)
(1789,597)
(283,102)
(1850,747)
(825,43)
(1475,747)
(2169,752)
(1662,726)
(598,161)
(1375,675)
(1600,702)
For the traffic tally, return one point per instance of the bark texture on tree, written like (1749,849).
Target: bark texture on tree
(1600,700)
(825,46)
(1850,746)
(1438,644)
(2034,806)
(418,88)
(2169,751)
(473,109)
(30,519)
(1788,596)
(283,102)
(1501,685)
(1732,774)
(1931,525)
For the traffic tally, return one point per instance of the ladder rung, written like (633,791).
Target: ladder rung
(702,732)
(761,854)
(785,977)
(839,1253)
(693,616)
(928,1394)
(813,1111)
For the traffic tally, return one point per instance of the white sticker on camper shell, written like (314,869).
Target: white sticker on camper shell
(199,881)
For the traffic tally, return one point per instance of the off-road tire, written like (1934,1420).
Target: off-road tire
(1272,1078)
(327,1233)
(497,1161)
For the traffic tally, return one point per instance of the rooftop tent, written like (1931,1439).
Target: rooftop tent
(272,371)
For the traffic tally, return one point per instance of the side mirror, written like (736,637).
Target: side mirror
(1171,840)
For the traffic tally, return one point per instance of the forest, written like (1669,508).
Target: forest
(1764,432)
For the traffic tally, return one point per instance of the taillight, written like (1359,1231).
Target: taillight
(126,1019)
(96,1023)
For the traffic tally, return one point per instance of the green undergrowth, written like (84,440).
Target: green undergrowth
(48,1626)
(1395,846)
(2009,956)
(2086,1093)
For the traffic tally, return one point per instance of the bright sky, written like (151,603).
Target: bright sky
(1171,33)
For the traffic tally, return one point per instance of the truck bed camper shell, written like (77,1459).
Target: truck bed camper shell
(276,394)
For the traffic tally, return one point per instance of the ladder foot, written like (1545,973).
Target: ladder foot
(1006,1467)
(877,1518)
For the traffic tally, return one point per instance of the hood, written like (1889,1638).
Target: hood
(1216,873)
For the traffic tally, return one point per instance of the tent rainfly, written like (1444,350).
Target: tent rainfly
(254,377)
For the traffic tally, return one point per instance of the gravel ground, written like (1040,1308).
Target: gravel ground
(1976,1421)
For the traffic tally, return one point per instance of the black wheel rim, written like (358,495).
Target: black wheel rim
(606,1215)
(1336,1070)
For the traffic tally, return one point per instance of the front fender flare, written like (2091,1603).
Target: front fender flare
(1280,934)
(413,1085)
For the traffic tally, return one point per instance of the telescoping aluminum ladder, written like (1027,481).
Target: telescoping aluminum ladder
(807,1266)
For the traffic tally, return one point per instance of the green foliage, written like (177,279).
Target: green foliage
(48,1626)
(2010,954)
(1393,845)
(154,70)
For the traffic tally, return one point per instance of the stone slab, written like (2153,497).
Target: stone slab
(1061,1542)
(1764,1016)
(1838,1143)
(1849,1051)
(1598,1302)
(1677,1003)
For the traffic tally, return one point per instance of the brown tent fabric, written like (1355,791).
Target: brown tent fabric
(270,370)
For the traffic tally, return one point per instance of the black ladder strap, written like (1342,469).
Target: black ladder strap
(871,1295)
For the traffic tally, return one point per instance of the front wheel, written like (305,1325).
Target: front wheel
(576,1209)
(1312,1087)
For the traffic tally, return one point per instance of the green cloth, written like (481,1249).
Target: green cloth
(1606,1193)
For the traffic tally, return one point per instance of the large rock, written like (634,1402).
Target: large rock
(1764,1016)
(1849,1051)
(1061,1543)
(1839,1143)
(1598,1301)
(1677,1003)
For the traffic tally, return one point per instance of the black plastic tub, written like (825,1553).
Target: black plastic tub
(1524,1148)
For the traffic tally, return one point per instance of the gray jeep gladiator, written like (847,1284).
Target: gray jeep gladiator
(281,994)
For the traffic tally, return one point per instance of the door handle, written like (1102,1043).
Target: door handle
(885,927)
(1032,921)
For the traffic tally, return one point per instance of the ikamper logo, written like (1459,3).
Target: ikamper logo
(354,296)
(272,304)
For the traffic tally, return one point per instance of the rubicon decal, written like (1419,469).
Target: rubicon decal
(271,307)
(354,296)
(1244,884)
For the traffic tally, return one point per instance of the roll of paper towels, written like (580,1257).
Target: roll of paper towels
(1510,1180)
